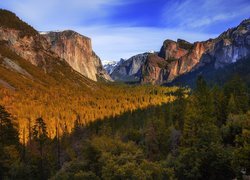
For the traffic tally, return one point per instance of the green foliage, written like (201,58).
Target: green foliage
(185,45)
(220,106)
(179,107)
(235,90)
(8,131)
(242,141)
(9,144)
(111,159)
(40,131)
(171,59)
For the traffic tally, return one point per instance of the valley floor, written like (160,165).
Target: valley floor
(159,133)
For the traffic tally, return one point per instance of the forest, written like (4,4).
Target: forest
(203,133)
(61,106)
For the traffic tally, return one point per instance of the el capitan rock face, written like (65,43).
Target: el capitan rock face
(179,58)
(77,51)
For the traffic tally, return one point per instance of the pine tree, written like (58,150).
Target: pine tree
(179,107)
(238,88)
(8,132)
(9,143)
(199,134)
(220,106)
(40,136)
(232,107)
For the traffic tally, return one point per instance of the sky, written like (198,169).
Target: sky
(123,28)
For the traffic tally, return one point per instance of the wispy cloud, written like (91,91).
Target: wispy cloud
(113,43)
(203,13)
(53,13)
(122,28)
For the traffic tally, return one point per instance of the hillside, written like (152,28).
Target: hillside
(11,21)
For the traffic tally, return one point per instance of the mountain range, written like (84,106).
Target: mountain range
(56,52)
(177,59)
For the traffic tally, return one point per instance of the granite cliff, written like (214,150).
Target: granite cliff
(129,70)
(76,49)
(178,58)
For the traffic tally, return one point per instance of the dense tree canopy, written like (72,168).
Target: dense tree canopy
(199,134)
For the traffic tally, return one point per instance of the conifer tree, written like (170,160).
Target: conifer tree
(220,106)
(40,136)
(8,132)
(238,88)
(8,142)
(232,107)
(199,134)
(179,107)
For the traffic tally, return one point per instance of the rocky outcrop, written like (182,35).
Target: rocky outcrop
(33,48)
(130,70)
(154,71)
(233,45)
(23,39)
(184,56)
(77,50)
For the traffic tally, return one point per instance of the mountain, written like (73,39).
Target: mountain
(76,49)
(27,61)
(129,70)
(178,58)
(109,66)
(23,40)
(228,55)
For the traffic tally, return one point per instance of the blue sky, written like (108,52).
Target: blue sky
(122,28)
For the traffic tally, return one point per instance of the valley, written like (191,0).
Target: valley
(180,113)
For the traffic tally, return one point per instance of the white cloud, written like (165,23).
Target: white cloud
(204,21)
(53,13)
(202,13)
(113,43)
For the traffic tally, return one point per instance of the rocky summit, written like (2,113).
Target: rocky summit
(109,66)
(129,70)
